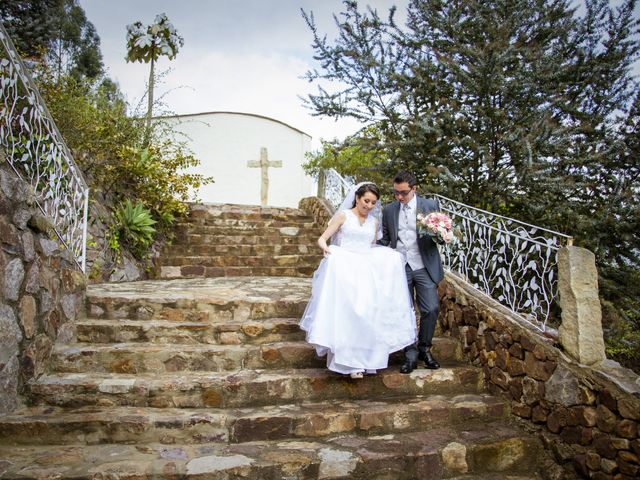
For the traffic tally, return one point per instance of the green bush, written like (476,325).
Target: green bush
(107,145)
(133,227)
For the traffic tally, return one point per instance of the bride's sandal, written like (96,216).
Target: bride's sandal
(356,375)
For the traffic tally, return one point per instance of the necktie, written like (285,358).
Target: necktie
(405,210)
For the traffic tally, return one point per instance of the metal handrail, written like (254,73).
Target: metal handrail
(512,261)
(37,153)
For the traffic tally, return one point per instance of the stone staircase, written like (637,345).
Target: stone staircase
(202,377)
(238,240)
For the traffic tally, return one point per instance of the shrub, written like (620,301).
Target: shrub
(133,227)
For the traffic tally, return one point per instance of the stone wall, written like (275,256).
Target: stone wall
(588,416)
(318,208)
(41,293)
(103,265)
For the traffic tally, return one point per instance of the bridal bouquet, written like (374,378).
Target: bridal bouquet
(437,225)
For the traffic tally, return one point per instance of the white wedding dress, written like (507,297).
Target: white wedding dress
(360,310)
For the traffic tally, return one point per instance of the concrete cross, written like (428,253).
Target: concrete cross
(264,164)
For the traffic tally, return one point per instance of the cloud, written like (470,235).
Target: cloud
(245,56)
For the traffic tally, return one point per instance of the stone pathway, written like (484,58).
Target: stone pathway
(211,378)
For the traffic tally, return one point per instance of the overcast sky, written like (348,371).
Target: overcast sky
(238,55)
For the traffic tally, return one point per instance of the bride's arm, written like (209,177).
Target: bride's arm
(335,223)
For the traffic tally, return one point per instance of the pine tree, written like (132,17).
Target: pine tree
(522,107)
(55,31)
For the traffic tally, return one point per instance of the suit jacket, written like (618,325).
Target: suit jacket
(428,248)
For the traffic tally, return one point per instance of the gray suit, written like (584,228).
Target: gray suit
(423,282)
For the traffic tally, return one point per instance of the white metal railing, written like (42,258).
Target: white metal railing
(513,262)
(333,187)
(34,148)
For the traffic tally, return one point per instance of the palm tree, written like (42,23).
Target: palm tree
(147,44)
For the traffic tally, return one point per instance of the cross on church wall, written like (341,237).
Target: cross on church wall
(264,163)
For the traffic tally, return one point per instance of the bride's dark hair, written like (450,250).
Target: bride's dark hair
(367,187)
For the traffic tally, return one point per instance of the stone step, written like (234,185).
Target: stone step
(253,238)
(495,448)
(200,271)
(159,358)
(244,227)
(163,358)
(278,220)
(58,426)
(292,249)
(200,299)
(167,331)
(232,260)
(213,210)
(244,388)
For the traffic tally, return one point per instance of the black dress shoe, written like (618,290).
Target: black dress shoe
(408,367)
(429,361)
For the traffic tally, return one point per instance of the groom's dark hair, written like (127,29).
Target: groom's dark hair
(405,176)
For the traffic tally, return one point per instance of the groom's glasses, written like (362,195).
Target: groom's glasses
(403,193)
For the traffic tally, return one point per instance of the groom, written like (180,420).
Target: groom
(423,265)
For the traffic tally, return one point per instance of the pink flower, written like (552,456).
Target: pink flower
(436,224)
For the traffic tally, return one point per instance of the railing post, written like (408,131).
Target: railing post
(580,333)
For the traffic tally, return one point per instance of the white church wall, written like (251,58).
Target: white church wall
(225,142)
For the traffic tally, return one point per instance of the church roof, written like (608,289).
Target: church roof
(235,113)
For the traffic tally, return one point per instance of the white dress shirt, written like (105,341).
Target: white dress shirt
(407,235)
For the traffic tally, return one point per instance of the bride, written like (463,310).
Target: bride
(360,310)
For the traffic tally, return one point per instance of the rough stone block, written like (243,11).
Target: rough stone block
(517,351)
(604,446)
(606,419)
(581,330)
(629,408)
(531,391)
(563,387)
(9,373)
(454,458)
(585,416)
(28,310)
(593,461)
(10,334)
(13,276)
(521,410)
(577,435)
(537,369)
(627,429)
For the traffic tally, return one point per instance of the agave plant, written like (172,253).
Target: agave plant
(134,226)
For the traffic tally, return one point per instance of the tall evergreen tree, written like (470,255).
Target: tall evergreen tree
(56,31)
(521,107)
(31,24)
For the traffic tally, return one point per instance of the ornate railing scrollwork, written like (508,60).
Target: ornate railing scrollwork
(511,261)
(333,187)
(33,147)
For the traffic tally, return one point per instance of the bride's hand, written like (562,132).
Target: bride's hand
(326,250)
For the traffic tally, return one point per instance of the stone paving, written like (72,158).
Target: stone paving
(210,378)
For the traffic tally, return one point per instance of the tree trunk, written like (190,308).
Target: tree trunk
(147,133)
